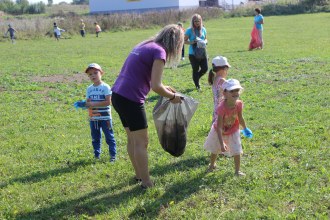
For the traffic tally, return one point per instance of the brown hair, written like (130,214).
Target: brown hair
(258,10)
(214,69)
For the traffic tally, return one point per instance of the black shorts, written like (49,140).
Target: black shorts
(132,114)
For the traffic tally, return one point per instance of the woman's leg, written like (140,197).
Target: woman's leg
(195,70)
(261,39)
(130,151)
(204,66)
(140,158)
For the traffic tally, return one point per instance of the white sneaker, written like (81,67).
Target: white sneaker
(182,58)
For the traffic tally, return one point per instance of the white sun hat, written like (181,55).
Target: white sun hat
(220,61)
(231,84)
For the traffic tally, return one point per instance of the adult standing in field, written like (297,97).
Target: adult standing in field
(97,29)
(82,28)
(142,71)
(11,32)
(257,41)
(195,36)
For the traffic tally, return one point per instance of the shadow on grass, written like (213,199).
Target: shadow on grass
(40,176)
(96,202)
(104,199)
(184,64)
(177,191)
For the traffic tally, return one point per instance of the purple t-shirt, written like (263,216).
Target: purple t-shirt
(134,80)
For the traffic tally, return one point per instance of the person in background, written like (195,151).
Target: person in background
(142,71)
(196,32)
(11,32)
(259,21)
(182,54)
(257,41)
(97,29)
(82,28)
(98,96)
(57,32)
(224,136)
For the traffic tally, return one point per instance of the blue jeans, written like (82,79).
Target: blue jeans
(106,126)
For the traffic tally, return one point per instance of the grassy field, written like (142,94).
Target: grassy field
(47,169)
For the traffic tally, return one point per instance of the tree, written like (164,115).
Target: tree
(80,2)
(50,2)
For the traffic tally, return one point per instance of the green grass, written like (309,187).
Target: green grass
(46,162)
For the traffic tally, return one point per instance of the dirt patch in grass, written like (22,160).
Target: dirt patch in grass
(77,78)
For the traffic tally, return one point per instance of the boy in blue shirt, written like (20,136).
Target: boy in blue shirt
(98,96)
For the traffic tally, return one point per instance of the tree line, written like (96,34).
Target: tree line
(19,7)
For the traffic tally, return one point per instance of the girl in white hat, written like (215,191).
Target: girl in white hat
(217,76)
(224,136)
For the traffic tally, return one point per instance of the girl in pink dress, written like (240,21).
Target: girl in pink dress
(224,136)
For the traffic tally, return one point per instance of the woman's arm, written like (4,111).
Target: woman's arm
(157,85)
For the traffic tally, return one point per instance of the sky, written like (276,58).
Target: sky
(46,1)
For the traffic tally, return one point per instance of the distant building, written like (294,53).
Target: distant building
(122,6)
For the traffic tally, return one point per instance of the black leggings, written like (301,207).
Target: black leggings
(199,68)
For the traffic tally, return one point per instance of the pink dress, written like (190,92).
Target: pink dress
(217,95)
(231,133)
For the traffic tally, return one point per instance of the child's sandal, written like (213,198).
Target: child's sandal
(211,168)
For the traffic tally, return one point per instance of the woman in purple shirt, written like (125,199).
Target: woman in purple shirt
(142,71)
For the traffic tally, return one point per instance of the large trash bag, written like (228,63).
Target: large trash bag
(255,39)
(171,121)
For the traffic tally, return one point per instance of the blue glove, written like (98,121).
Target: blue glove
(247,133)
(80,104)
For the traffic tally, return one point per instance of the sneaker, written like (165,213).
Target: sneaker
(112,159)
(211,168)
(182,58)
(240,173)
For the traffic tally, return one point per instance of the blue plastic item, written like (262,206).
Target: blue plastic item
(247,133)
(80,104)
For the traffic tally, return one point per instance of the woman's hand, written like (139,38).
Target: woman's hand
(176,99)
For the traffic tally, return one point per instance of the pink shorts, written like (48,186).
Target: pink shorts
(232,141)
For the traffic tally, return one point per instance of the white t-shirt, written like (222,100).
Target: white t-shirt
(98,94)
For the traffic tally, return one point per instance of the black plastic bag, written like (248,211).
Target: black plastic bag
(171,121)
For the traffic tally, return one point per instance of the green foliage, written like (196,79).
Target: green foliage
(22,7)
(46,162)
(80,2)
